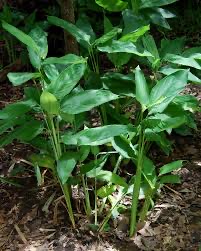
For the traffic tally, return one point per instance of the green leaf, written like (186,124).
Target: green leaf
(168,168)
(156,17)
(25,132)
(119,84)
(108,36)
(176,59)
(124,147)
(67,80)
(65,165)
(17,109)
(150,45)
(127,47)
(132,21)
(18,78)
(98,135)
(174,46)
(155,3)
(172,179)
(84,25)
(29,130)
(161,122)
(142,91)
(105,191)
(81,37)
(86,100)
(112,5)
(111,178)
(94,166)
(42,160)
(40,38)
(65,60)
(167,70)
(20,35)
(51,72)
(119,59)
(166,90)
(134,35)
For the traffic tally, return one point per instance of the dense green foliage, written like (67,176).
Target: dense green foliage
(139,103)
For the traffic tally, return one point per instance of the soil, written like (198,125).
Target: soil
(35,219)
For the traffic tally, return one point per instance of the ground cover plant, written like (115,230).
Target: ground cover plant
(138,102)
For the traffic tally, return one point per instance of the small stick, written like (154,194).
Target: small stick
(21,235)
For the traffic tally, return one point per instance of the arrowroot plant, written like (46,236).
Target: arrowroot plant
(54,117)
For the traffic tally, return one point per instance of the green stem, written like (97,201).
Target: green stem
(136,187)
(114,171)
(87,200)
(66,193)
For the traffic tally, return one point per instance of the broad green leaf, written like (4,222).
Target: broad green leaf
(132,21)
(84,25)
(86,100)
(51,72)
(40,38)
(65,60)
(18,78)
(20,35)
(67,80)
(168,168)
(98,135)
(156,17)
(172,179)
(161,122)
(174,46)
(176,59)
(105,191)
(25,132)
(29,130)
(194,53)
(187,102)
(167,70)
(155,3)
(128,47)
(112,5)
(166,90)
(161,140)
(108,36)
(119,59)
(165,13)
(84,153)
(16,109)
(65,165)
(81,37)
(150,45)
(134,35)
(142,91)
(124,147)
(111,178)
(33,94)
(42,160)
(10,122)
(119,84)
(107,25)
(94,166)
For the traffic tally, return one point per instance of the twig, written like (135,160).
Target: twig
(21,235)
